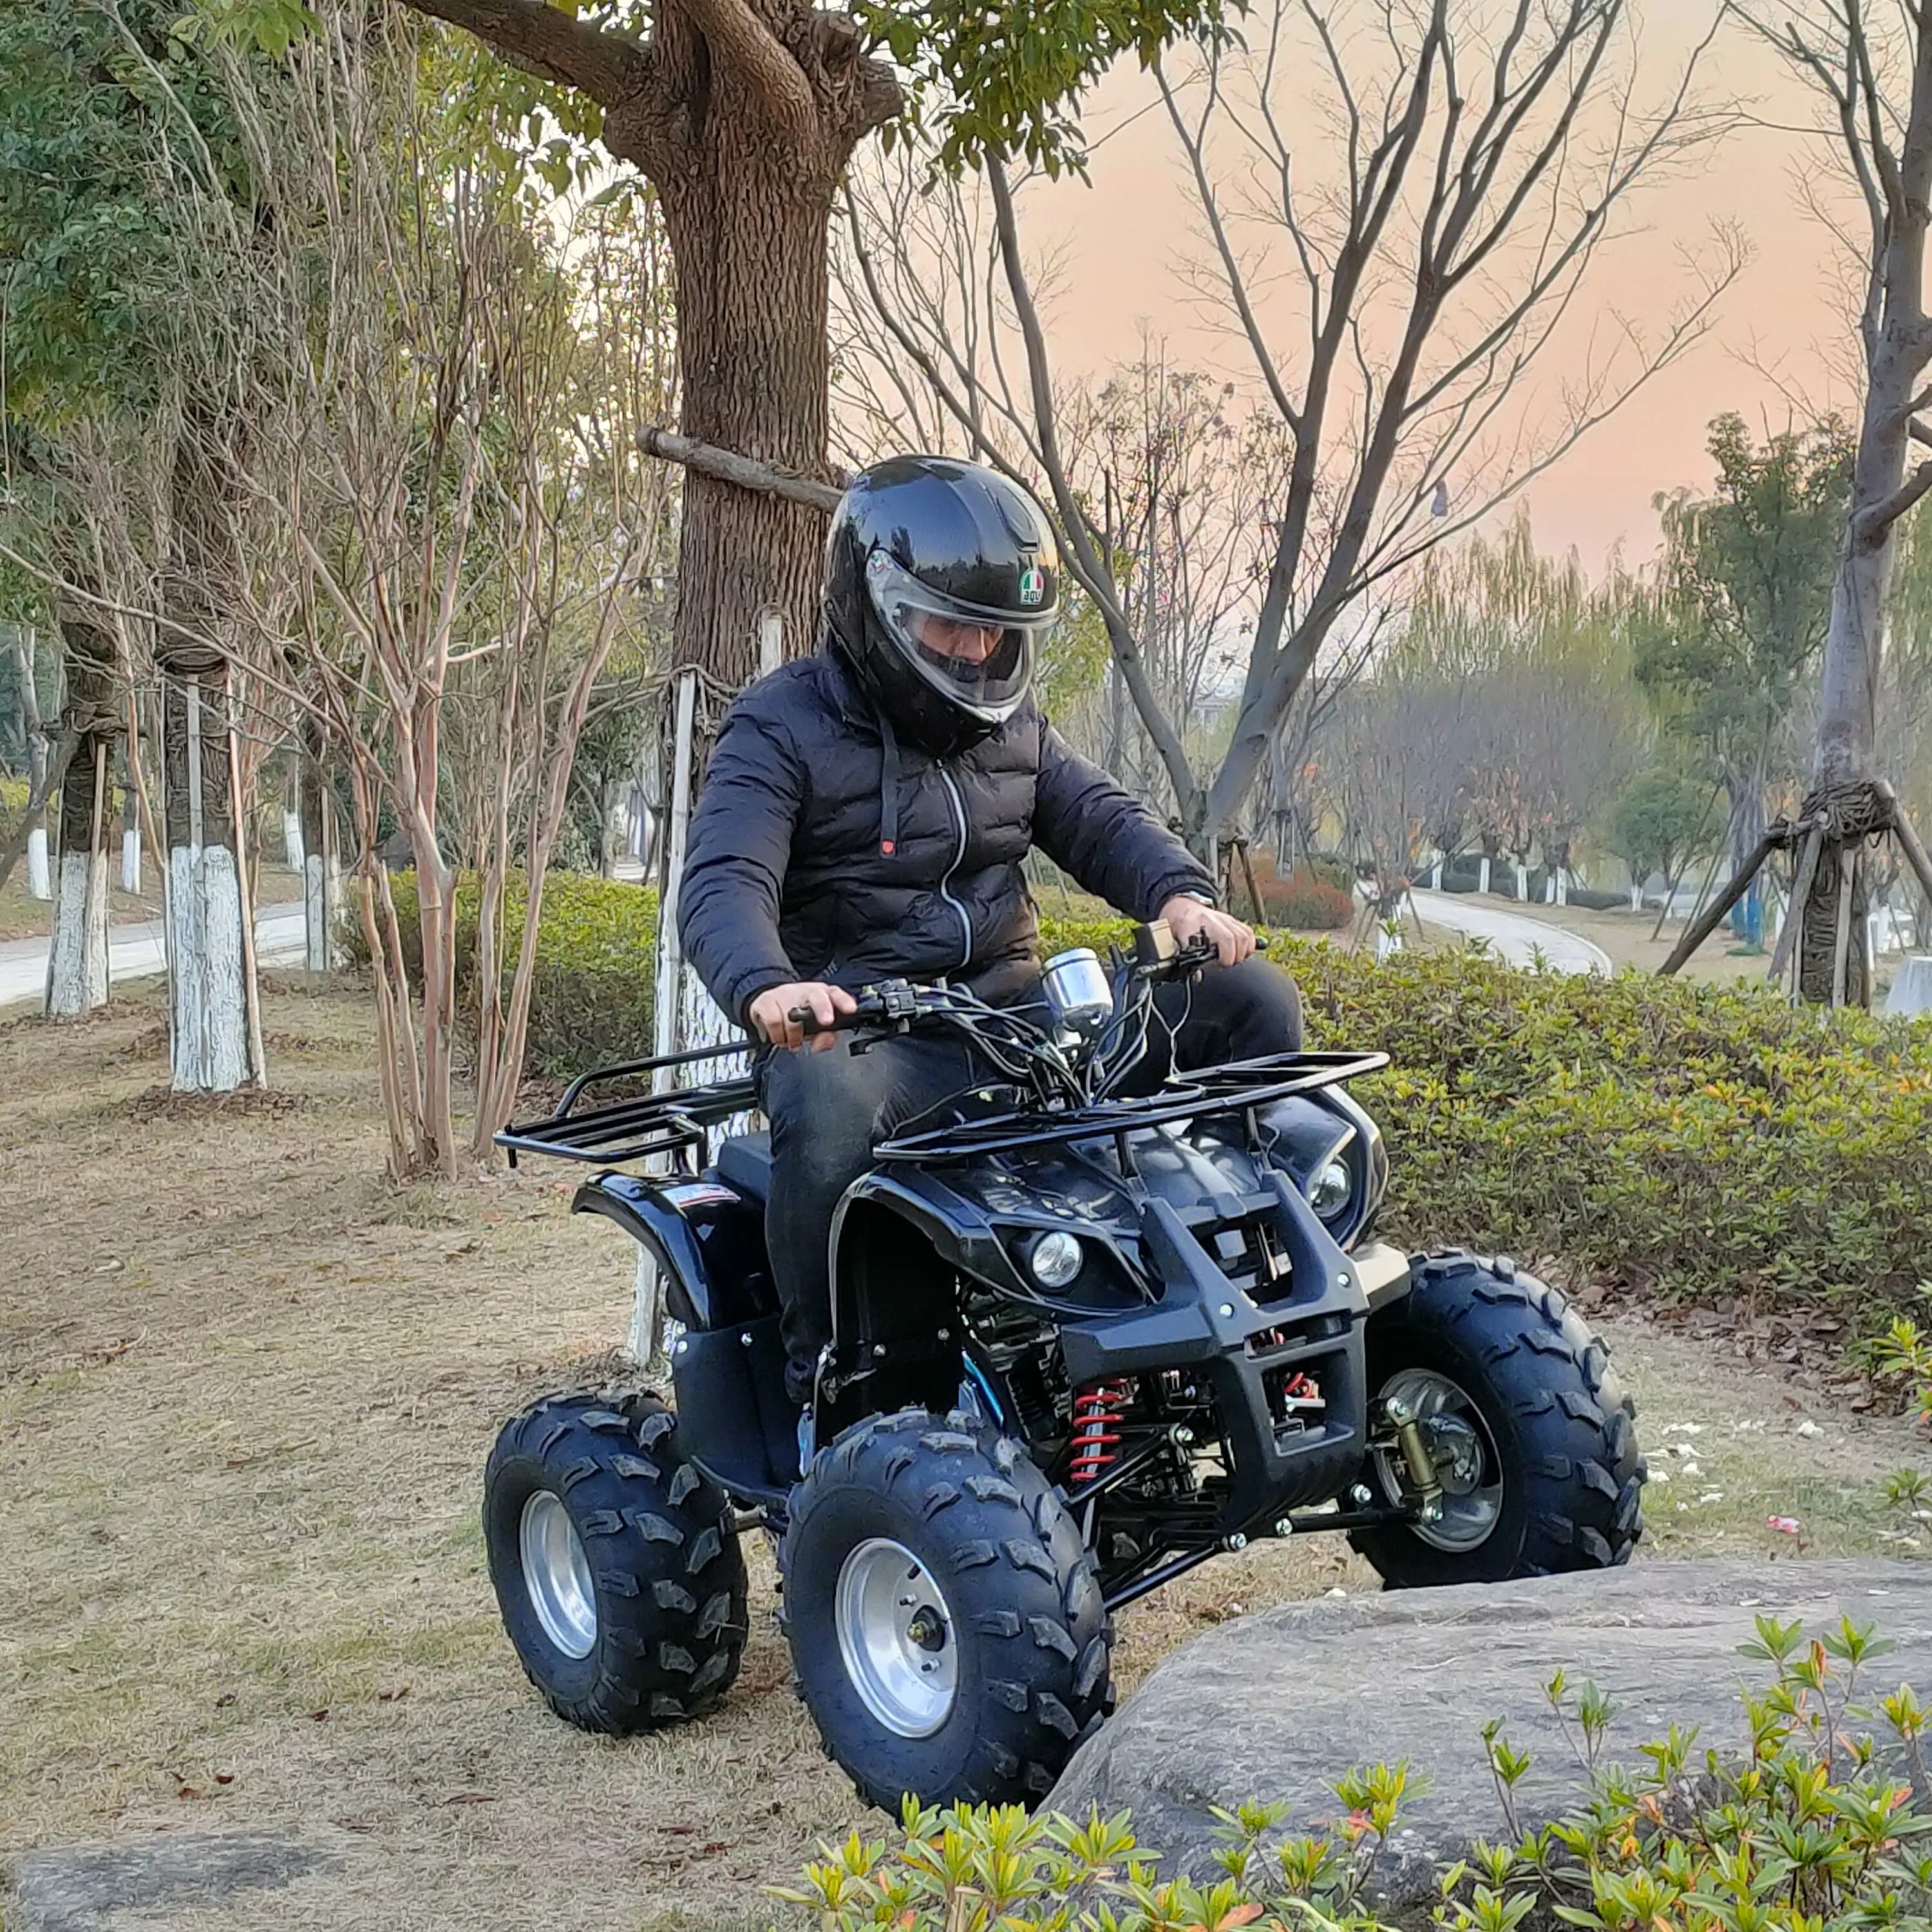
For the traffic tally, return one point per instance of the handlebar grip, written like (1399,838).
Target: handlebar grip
(809,1020)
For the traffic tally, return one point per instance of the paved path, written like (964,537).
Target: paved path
(133,951)
(1511,934)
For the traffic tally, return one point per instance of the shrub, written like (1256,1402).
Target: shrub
(1805,1830)
(592,999)
(1704,1142)
(1306,901)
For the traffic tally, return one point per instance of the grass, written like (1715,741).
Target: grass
(247,1390)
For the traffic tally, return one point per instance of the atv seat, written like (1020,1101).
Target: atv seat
(744,1162)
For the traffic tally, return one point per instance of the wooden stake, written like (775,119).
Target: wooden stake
(1801,891)
(1248,873)
(726,466)
(1841,942)
(1702,927)
(1915,853)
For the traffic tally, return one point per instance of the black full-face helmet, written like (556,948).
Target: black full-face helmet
(939,576)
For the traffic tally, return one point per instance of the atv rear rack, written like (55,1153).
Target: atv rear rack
(636,1127)
(1239,1087)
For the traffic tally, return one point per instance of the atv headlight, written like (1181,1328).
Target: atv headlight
(1328,1192)
(1055,1258)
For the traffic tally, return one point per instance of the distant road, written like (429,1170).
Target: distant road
(1511,934)
(134,951)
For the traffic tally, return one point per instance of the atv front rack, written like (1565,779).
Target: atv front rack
(1237,1088)
(634,1128)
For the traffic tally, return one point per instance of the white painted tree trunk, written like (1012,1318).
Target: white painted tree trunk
(215,1038)
(1483,874)
(1560,886)
(1435,874)
(321,905)
(291,840)
(1523,882)
(1637,896)
(210,1009)
(685,1016)
(315,849)
(77,964)
(130,859)
(40,873)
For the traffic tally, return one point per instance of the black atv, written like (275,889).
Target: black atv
(1083,1343)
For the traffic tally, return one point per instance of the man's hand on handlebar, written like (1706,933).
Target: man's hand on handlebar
(778,1014)
(1190,920)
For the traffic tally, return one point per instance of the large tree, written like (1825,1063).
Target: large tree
(1394,265)
(1869,65)
(1743,596)
(743,115)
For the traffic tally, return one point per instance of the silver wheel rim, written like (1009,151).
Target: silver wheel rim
(556,1573)
(1466,1463)
(897,1638)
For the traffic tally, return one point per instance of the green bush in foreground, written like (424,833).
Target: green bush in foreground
(1704,1141)
(1807,1830)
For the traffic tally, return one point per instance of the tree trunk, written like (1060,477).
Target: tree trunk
(208,960)
(748,222)
(39,882)
(77,959)
(321,853)
(1896,341)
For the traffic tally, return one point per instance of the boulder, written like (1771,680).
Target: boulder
(131,1883)
(1279,1705)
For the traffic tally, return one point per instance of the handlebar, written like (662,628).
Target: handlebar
(1154,954)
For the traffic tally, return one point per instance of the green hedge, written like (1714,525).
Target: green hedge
(591,1002)
(1706,1141)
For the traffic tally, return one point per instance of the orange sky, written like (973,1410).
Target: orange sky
(1125,238)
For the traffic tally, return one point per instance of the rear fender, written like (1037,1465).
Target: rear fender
(705,1239)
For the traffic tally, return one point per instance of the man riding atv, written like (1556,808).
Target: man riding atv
(1051,1347)
(866,817)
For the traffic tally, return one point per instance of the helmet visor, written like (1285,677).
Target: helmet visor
(979,661)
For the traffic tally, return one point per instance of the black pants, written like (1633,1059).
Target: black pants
(828,1109)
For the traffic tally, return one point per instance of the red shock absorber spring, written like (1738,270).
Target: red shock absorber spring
(1096,1439)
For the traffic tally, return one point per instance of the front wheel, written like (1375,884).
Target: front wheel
(945,1620)
(1532,1435)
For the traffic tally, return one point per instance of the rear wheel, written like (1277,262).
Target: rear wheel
(1533,1438)
(617,1571)
(945,1617)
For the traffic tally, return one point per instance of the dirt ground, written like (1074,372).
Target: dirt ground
(246,1389)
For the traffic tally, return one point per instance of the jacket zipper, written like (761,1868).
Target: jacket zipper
(958,860)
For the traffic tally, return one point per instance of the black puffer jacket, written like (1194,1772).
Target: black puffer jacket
(821,849)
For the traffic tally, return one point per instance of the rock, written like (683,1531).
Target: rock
(1279,1705)
(116,1886)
